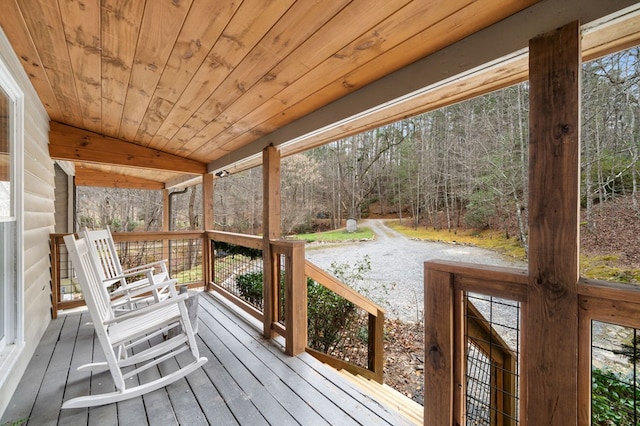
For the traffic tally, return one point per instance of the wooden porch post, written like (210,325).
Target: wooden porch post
(207,212)
(439,348)
(271,231)
(551,314)
(165,222)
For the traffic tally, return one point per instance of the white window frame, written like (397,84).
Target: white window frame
(11,351)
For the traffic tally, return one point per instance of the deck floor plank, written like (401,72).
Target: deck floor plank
(281,382)
(251,388)
(284,403)
(248,380)
(79,382)
(20,407)
(211,402)
(46,407)
(315,376)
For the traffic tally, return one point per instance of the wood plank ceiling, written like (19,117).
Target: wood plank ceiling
(194,81)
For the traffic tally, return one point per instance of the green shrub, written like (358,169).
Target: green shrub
(612,399)
(329,315)
(250,287)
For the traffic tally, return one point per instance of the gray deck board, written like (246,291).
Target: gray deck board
(247,381)
(20,407)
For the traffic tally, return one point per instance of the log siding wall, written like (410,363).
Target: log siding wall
(38,222)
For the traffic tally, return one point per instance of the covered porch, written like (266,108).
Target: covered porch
(248,380)
(203,98)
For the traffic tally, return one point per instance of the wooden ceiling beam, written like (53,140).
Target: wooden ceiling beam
(73,144)
(90,177)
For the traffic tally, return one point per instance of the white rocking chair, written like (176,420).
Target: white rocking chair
(103,249)
(117,335)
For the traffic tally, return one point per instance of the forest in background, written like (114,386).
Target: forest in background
(462,166)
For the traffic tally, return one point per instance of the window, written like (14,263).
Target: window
(10,214)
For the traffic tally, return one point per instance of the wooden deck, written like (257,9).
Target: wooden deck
(248,380)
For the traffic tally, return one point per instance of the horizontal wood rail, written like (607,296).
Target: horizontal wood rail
(61,268)
(375,333)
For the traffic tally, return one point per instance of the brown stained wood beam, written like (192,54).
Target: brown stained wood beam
(550,316)
(89,177)
(73,144)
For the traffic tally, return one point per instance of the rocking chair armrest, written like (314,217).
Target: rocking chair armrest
(147,309)
(128,274)
(136,269)
(134,291)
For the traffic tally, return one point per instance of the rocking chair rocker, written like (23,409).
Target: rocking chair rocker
(117,335)
(103,250)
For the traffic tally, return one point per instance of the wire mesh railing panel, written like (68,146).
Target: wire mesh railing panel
(615,381)
(492,331)
(184,256)
(336,326)
(239,270)
(69,286)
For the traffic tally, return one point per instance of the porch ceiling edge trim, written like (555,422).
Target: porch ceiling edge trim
(414,80)
(73,144)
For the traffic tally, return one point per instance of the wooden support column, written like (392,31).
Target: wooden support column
(551,315)
(271,231)
(166,217)
(208,224)
(439,347)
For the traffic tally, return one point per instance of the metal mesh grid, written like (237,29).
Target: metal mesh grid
(184,256)
(615,352)
(336,326)
(239,274)
(69,285)
(492,360)
(184,260)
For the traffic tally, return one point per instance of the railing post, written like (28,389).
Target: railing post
(55,276)
(295,300)
(439,347)
(207,212)
(376,345)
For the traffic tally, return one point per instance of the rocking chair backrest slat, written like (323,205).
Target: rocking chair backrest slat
(107,256)
(94,291)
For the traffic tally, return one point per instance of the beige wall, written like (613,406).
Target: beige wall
(38,223)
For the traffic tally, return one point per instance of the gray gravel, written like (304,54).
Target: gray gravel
(397,265)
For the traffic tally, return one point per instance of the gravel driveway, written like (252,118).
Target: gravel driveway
(397,265)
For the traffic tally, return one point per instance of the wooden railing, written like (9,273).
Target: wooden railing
(183,250)
(447,335)
(612,303)
(375,357)
(289,303)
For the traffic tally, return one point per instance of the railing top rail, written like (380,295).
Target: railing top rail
(143,235)
(282,246)
(616,292)
(498,281)
(245,240)
(320,275)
